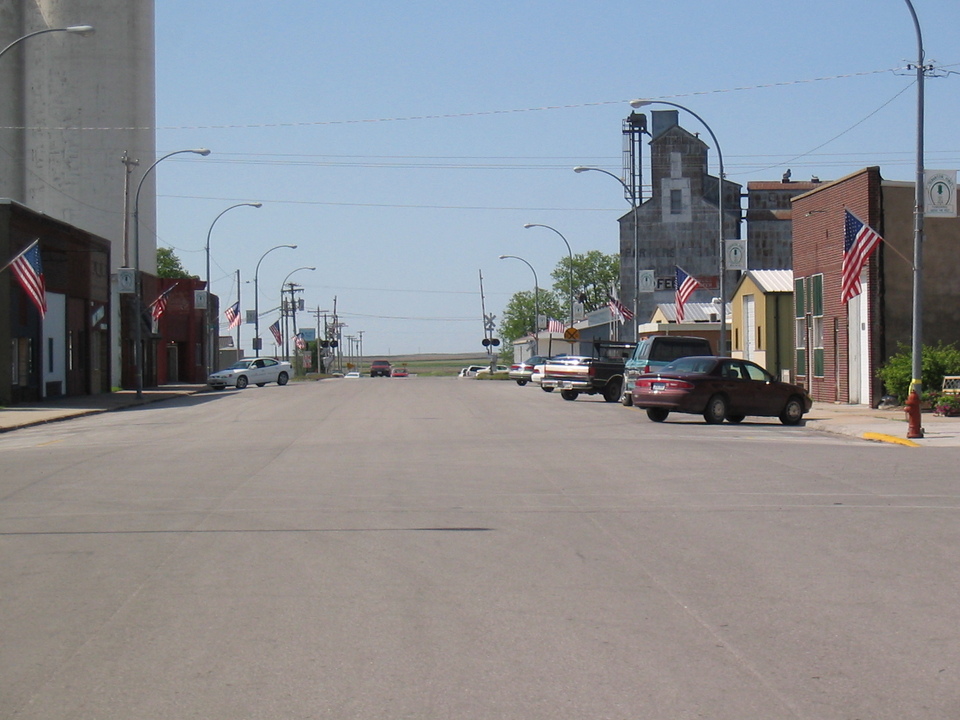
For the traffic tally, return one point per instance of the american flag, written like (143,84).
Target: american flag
(299,341)
(621,312)
(859,242)
(686,284)
(556,326)
(233,314)
(27,269)
(275,329)
(159,306)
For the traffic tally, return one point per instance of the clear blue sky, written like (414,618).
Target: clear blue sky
(402,146)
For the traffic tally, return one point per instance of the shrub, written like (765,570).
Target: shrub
(937,361)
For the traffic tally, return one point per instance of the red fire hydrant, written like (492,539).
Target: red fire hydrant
(912,408)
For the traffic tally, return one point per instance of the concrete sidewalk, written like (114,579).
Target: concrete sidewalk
(23,415)
(858,421)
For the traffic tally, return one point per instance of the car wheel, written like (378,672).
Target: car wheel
(657,414)
(716,410)
(241,382)
(735,418)
(569,394)
(546,389)
(626,399)
(792,412)
(282,378)
(611,393)
(521,383)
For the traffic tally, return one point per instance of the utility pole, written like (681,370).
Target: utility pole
(130,164)
(360,344)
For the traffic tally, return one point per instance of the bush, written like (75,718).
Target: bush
(937,361)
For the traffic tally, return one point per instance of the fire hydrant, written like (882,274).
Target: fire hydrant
(912,409)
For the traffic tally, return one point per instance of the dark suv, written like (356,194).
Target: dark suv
(652,353)
(380,368)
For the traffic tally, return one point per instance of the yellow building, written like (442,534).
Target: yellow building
(762,320)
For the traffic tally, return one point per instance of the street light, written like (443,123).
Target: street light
(286,338)
(916,382)
(722,349)
(256,296)
(138,291)
(532,225)
(81,30)
(636,242)
(206,313)
(536,302)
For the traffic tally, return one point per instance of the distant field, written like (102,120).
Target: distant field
(438,364)
(431,364)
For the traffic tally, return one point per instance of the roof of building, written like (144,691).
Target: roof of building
(797,187)
(692,312)
(771,281)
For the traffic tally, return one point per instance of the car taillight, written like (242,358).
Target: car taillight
(662,384)
(646,368)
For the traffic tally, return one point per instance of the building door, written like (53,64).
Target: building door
(858,346)
(173,363)
(749,327)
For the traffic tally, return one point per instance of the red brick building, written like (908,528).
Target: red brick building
(839,346)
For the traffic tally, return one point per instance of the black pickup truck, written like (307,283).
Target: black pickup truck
(600,373)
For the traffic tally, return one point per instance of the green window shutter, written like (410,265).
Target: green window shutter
(818,362)
(816,294)
(798,298)
(801,361)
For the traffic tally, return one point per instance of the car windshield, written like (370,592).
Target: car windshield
(240,365)
(690,365)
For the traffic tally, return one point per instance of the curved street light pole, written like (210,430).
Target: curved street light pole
(636,241)
(536,302)
(722,348)
(138,290)
(81,30)
(533,225)
(916,382)
(256,297)
(286,334)
(207,324)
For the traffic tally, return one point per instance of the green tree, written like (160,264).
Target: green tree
(169,265)
(593,275)
(518,315)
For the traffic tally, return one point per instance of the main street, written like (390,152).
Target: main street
(443,548)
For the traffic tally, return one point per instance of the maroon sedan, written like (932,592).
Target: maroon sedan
(719,389)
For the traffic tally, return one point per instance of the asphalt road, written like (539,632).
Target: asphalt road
(442,548)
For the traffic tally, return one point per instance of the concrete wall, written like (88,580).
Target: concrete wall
(88,100)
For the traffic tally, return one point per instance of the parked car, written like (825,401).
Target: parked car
(380,368)
(652,353)
(256,371)
(599,373)
(485,371)
(522,371)
(470,371)
(399,372)
(720,389)
(536,377)
(352,375)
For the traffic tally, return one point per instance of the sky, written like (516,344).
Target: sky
(402,146)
